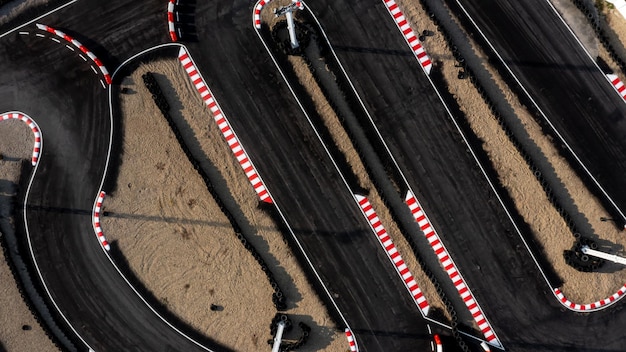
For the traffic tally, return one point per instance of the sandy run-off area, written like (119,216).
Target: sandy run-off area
(19,331)
(178,242)
(548,227)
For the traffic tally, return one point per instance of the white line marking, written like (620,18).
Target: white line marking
(23,33)
(36,19)
(552,126)
(449,113)
(295,96)
(103,85)
(55,39)
(102,183)
(82,57)
(94,70)
(39,35)
(69,47)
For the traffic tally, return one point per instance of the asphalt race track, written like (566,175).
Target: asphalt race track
(303,182)
(564,82)
(291,160)
(454,194)
(57,89)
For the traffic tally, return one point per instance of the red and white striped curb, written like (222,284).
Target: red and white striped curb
(351,341)
(259,6)
(438,344)
(170,21)
(33,127)
(485,347)
(591,306)
(409,35)
(227,131)
(257,12)
(617,84)
(450,268)
(393,253)
(76,43)
(96,221)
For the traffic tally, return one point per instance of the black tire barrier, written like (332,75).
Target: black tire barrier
(545,185)
(604,39)
(455,334)
(37,292)
(289,346)
(579,260)
(344,87)
(157,95)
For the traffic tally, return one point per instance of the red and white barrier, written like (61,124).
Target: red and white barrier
(617,84)
(351,341)
(450,268)
(76,43)
(485,347)
(591,306)
(409,35)
(96,221)
(257,12)
(393,253)
(438,344)
(170,21)
(33,127)
(224,125)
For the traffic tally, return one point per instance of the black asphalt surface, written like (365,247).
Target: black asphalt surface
(303,181)
(43,79)
(453,191)
(562,79)
(59,90)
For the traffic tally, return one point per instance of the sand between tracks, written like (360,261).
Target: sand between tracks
(178,242)
(16,144)
(548,227)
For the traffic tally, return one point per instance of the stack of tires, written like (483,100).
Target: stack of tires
(579,260)
(278,298)
(288,346)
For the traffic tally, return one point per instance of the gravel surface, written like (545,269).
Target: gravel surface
(177,241)
(19,331)
(549,228)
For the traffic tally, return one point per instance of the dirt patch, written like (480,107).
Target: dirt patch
(19,331)
(343,142)
(178,242)
(12,9)
(532,203)
(617,22)
(17,140)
